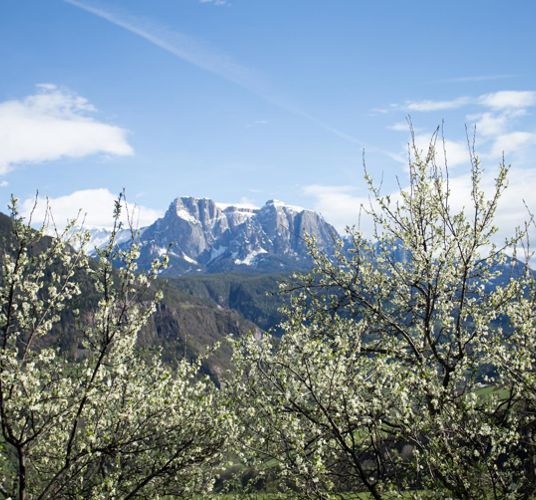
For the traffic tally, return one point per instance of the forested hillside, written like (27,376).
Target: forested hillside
(187,322)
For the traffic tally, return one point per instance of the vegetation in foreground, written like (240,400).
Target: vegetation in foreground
(407,365)
(114,422)
(406,369)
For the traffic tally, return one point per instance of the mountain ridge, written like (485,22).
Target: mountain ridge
(201,235)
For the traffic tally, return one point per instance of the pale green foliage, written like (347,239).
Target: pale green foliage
(407,364)
(115,422)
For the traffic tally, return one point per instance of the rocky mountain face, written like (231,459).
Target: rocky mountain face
(201,235)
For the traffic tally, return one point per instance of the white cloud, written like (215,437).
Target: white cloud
(430,105)
(496,122)
(489,124)
(501,100)
(508,99)
(339,205)
(511,211)
(512,142)
(95,207)
(492,123)
(52,124)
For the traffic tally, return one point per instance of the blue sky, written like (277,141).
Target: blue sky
(248,100)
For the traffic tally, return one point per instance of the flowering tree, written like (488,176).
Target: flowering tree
(407,363)
(114,422)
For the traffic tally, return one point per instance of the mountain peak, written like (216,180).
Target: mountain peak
(190,202)
(194,210)
(199,234)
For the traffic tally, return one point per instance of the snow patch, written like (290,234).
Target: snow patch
(101,237)
(250,257)
(187,258)
(187,216)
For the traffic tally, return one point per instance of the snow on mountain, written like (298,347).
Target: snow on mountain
(249,259)
(99,237)
(198,234)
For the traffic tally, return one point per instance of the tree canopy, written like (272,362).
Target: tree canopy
(114,422)
(407,363)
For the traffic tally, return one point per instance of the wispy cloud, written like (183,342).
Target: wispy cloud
(51,124)
(402,126)
(207,58)
(501,100)
(508,99)
(218,3)
(431,105)
(477,78)
(496,118)
(257,123)
(184,47)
